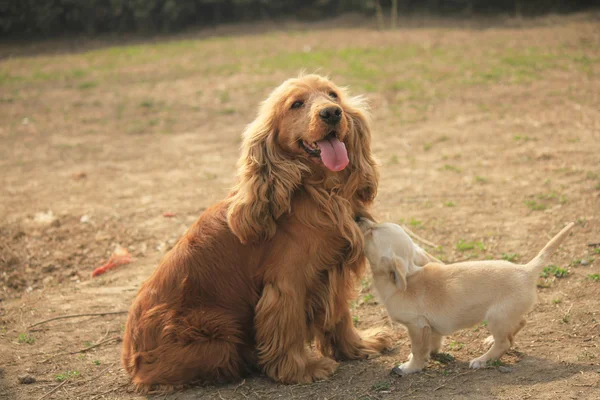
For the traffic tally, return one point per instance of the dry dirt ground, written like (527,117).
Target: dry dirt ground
(489,142)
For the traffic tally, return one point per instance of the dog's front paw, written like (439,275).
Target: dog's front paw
(406,369)
(320,369)
(376,340)
(477,363)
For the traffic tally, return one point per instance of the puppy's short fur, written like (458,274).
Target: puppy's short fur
(437,300)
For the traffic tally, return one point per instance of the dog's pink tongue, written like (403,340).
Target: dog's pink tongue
(333,153)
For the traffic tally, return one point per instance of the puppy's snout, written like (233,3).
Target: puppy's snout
(331,115)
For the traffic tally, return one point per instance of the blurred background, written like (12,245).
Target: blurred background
(120,123)
(28,18)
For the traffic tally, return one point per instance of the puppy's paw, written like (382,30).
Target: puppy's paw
(477,363)
(406,369)
(488,341)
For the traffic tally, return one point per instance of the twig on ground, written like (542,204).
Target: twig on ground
(105,335)
(109,391)
(84,349)
(420,239)
(54,390)
(76,316)
(594,244)
(357,374)
(101,373)
(238,386)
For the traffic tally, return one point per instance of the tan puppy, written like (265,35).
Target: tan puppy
(437,300)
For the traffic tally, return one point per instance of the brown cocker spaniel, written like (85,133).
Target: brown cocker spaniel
(273,266)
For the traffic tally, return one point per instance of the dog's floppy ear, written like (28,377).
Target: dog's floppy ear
(266,177)
(396,268)
(364,174)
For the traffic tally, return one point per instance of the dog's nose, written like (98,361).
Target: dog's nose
(331,115)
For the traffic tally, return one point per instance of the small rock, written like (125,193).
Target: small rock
(26,379)
(585,262)
(44,218)
(12,261)
(84,219)
(49,280)
(15,281)
(504,370)
(48,268)
(79,175)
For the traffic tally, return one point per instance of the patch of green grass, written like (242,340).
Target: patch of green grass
(480,179)
(226,111)
(464,245)
(96,362)
(597,250)
(224,96)
(512,257)
(25,338)
(381,386)
(66,375)
(534,205)
(87,85)
(427,146)
(415,223)
(449,204)
(454,345)
(547,196)
(592,175)
(147,104)
(594,277)
(452,168)
(444,358)
(557,301)
(365,283)
(355,320)
(394,159)
(553,270)
(524,138)
(494,363)
(87,343)
(367,298)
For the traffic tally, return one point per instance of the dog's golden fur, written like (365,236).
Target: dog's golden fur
(437,300)
(271,267)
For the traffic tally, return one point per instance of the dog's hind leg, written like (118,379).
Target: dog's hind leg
(519,326)
(436,343)
(502,337)
(490,339)
(420,341)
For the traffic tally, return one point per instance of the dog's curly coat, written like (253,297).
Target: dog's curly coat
(273,266)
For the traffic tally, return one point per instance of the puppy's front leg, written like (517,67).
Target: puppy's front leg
(281,334)
(420,341)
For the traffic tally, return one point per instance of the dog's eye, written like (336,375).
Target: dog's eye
(333,95)
(297,104)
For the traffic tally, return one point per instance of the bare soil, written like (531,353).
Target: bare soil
(489,142)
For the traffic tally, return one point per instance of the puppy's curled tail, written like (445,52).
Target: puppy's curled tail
(535,265)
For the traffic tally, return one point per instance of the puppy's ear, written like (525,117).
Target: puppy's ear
(396,269)
(423,258)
